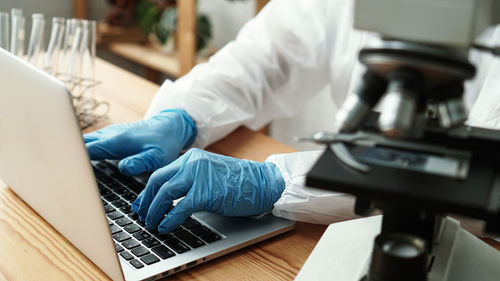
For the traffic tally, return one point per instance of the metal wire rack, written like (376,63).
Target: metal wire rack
(88,109)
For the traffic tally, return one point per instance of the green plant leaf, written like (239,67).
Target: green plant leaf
(164,23)
(203,31)
(147,16)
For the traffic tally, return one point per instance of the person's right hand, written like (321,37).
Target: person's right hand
(146,145)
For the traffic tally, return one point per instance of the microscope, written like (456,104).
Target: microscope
(415,159)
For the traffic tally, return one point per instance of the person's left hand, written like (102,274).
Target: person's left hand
(209,182)
(146,145)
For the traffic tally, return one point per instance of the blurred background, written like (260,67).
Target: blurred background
(124,25)
(160,39)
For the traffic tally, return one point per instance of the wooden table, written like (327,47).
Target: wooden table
(30,249)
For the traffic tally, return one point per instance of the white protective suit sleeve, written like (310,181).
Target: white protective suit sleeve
(302,203)
(277,63)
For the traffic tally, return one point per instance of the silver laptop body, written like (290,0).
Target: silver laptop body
(43,160)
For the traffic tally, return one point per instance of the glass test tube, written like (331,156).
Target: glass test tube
(17,34)
(69,34)
(35,47)
(4,31)
(87,50)
(69,53)
(55,48)
(16,12)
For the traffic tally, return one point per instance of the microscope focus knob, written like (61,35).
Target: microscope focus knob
(398,257)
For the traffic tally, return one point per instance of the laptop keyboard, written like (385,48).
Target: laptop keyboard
(133,242)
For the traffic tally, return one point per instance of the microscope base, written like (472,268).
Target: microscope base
(344,250)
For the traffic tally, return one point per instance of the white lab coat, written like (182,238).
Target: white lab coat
(281,59)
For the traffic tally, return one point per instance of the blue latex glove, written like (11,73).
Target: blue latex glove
(210,182)
(146,145)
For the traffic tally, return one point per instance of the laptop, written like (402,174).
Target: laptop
(43,159)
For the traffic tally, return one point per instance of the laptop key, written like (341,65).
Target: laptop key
(136,187)
(141,235)
(189,239)
(126,255)
(163,237)
(118,247)
(163,252)
(123,221)
(121,236)
(129,196)
(115,229)
(110,166)
(110,197)
(104,191)
(149,259)
(210,237)
(126,209)
(115,215)
(119,203)
(121,190)
(102,177)
(177,228)
(150,242)
(109,209)
(130,244)
(110,222)
(101,165)
(200,230)
(104,202)
(126,180)
(137,264)
(121,178)
(140,251)
(177,245)
(134,216)
(190,223)
(98,174)
(113,185)
(131,228)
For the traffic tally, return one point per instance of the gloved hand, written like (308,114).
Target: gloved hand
(146,145)
(210,182)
